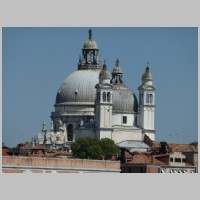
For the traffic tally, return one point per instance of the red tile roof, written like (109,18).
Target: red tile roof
(5,152)
(150,142)
(141,158)
(183,147)
(38,147)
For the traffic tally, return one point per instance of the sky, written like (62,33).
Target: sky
(37,60)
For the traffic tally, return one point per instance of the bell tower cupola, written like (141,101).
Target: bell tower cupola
(117,74)
(89,58)
(104,76)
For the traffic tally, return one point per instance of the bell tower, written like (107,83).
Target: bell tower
(147,104)
(103,108)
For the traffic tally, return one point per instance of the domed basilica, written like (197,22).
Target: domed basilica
(92,102)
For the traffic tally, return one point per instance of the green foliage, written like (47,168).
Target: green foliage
(109,148)
(93,148)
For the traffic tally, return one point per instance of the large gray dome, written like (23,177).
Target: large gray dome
(79,87)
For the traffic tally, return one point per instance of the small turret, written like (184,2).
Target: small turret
(104,75)
(147,77)
(117,74)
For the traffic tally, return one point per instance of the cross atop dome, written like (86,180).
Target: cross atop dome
(117,62)
(90,34)
(147,68)
(104,65)
(147,75)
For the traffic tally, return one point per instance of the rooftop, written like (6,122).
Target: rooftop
(134,145)
(183,147)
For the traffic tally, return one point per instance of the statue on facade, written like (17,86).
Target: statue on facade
(61,137)
(33,141)
(41,137)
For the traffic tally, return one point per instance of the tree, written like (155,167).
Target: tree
(109,148)
(93,148)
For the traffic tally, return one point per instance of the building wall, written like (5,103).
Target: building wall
(122,135)
(147,117)
(153,169)
(178,155)
(74,108)
(117,119)
(105,116)
(192,157)
(177,169)
(10,163)
(150,135)
(104,134)
(81,133)
(140,168)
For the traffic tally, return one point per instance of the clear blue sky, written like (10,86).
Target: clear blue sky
(37,60)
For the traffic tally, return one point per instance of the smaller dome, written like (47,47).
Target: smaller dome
(90,44)
(104,74)
(147,75)
(117,69)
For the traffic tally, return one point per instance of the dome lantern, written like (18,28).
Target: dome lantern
(147,77)
(104,75)
(90,58)
(117,74)
(90,34)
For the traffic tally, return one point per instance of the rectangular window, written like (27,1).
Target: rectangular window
(141,169)
(195,157)
(147,98)
(124,119)
(183,160)
(129,169)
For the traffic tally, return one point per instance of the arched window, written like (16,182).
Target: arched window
(177,159)
(70,132)
(151,98)
(171,159)
(147,98)
(104,96)
(108,96)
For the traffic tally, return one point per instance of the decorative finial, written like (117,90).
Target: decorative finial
(147,68)
(117,62)
(104,65)
(90,34)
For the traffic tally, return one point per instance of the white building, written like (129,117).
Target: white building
(92,103)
